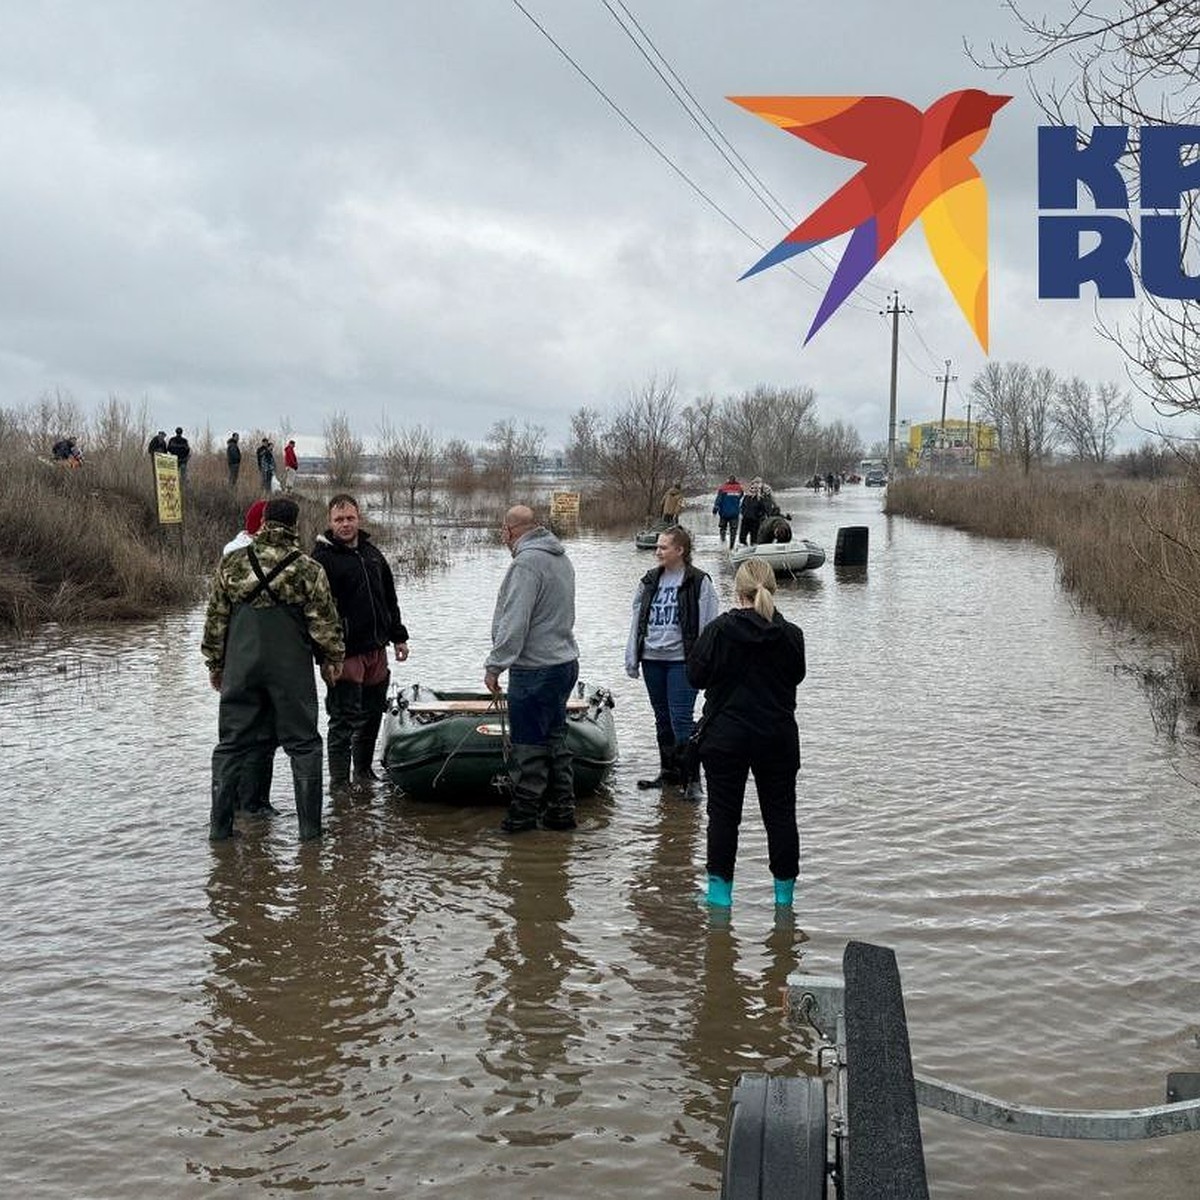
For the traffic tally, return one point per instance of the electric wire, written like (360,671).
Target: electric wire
(649,141)
(661,154)
(695,110)
(932,357)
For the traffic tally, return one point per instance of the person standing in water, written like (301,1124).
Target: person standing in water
(750,661)
(672,604)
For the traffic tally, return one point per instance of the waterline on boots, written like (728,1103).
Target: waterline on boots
(512,824)
(784,892)
(668,773)
(720,892)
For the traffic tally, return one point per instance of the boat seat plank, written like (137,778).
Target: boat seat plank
(480,706)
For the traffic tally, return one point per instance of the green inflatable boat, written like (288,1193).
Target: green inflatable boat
(453,746)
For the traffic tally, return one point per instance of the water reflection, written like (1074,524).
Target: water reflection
(301,1002)
(420,1006)
(532,1026)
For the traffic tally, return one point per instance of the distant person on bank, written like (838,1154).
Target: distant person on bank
(66,451)
(270,610)
(264,456)
(750,661)
(291,465)
(672,604)
(179,446)
(233,458)
(158,443)
(365,592)
(533,639)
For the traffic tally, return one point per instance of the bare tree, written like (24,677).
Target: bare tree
(583,446)
(1088,421)
(1038,412)
(117,427)
(343,450)
(745,420)
(511,452)
(792,431)
(770,431)
(407,457)
(1132,64)
(458,458)
(640,455)
(1015,400)
(699,426)
(839,447)
(56,414)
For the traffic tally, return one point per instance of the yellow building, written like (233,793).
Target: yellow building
(954,446)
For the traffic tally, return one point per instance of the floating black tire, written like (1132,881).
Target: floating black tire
(775,1139)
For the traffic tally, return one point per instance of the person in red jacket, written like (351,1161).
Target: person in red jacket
(291,464)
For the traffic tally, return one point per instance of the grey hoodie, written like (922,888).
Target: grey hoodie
(535,609)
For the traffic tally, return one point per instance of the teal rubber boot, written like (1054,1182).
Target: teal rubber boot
(784,890)
(720,892)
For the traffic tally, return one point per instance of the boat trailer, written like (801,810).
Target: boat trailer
(852,1131)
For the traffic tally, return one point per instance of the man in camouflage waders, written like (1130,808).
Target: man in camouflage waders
(270,612)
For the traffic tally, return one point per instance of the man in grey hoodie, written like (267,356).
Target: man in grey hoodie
(533,640)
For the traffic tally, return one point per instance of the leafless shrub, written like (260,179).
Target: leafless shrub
(344,451)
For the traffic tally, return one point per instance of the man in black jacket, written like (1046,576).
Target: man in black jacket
(365,592)
(179,447)
(233,458)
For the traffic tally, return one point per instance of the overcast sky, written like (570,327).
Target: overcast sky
(254,214)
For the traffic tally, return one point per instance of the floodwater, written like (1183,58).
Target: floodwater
(419,1005)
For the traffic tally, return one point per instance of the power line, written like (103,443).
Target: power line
(925,345)
(649,142)
(695,111)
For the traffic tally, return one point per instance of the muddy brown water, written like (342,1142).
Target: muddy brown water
(421,1006)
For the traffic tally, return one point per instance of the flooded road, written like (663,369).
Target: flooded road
(419,1005)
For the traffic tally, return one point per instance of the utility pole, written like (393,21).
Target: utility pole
(945,380)
(895,310)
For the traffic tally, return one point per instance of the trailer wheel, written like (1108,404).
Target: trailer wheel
(775,1139)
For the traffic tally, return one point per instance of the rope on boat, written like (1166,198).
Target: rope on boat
(498,705)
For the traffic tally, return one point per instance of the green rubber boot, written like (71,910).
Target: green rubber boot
(720,892)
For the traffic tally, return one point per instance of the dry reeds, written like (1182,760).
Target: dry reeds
(83,545)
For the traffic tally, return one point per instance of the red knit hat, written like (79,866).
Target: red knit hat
(254,516)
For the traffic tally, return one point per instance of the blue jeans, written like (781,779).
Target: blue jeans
(537,701)
(672,698)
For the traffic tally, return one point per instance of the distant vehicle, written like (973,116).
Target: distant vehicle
(876,478)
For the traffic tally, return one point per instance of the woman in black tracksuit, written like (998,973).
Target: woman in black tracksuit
(749,661)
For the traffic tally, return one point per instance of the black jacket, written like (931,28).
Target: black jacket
(365,592)
(158,445)
(233,453)
(178,446)
(750,668)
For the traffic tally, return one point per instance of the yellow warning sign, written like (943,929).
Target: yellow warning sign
(166,485)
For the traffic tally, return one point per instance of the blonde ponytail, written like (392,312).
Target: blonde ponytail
(755,582)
